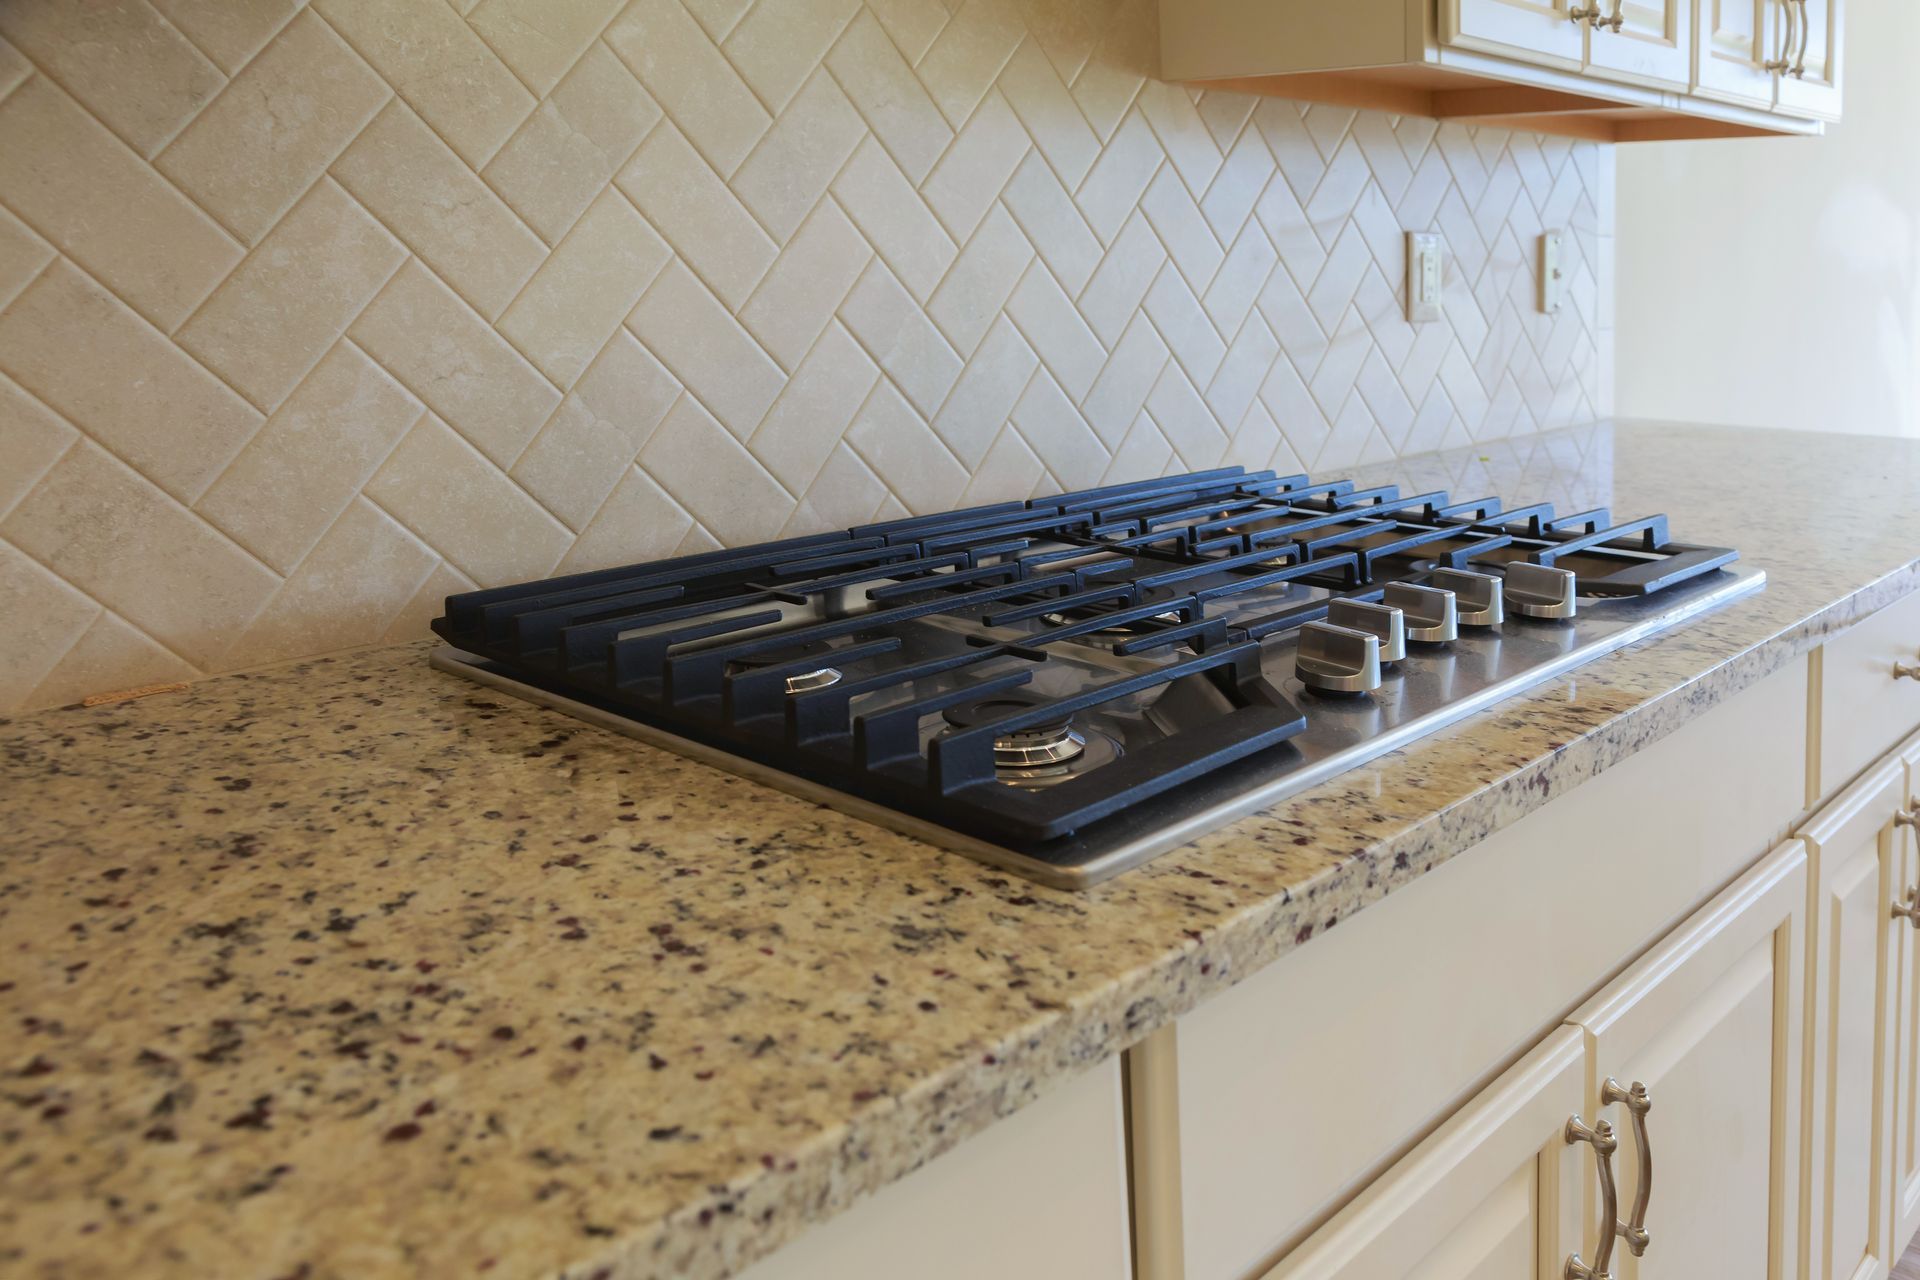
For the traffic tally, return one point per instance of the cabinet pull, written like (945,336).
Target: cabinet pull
(1806,38)
(1638,1103)
(1580,13)
(1906,671)
(1604,1145)
(1783,63)
(1619,19)
(1908,908)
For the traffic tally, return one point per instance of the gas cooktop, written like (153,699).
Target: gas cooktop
(1068,686)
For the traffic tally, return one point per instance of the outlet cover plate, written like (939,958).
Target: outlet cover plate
(1426,276)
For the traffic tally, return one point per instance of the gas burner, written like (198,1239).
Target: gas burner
(800,682)
(1039,755)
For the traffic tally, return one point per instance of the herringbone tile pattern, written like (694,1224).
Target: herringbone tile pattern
(311,313)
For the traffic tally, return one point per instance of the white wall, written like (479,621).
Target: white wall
(1776,282)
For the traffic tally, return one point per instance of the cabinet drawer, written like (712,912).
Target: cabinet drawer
(1040,1196)
(1864,709)
(1302,1083)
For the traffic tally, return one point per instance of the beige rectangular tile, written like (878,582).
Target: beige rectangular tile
(1052,223)
(277,314)
(719,17)
(1119,178)
(131,68)
(345,593)
(777,47)
(892,439)
(14,68)
(538,39)
(784,178)
(1143,454)
(988,388)
(157,409)
(1125,55)
(968,54)
(1176,220)
(23,255)
(890,213)
(443,70)
(226,32)
(1183,135)
(1178,410)
(844,494)
(445,354)
(976,167)
(1112,298)
(891,99)
(32,438)
(683,70)
(251,154)
(1043,104)
(976,289)
(693,335)
(814,409)
(806,284)
(1009,472)
(143,555)
(596,432)
(314,453)
(414,620)
(464,507)
(638,522)
(1122,386)
(111,655)
(79,186)
(1059,336)
(558,161)
(1055,431)
(687,202)
(426,195)
(588,284)
(912,25)
(900,338)
(45,619)
(712,475)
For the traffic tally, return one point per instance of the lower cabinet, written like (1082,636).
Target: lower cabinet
(1042,1195)
(1906,994)
(1655,1135)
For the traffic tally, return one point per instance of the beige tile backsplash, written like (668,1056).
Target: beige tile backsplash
(311,313)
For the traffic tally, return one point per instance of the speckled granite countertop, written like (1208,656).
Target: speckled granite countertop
(349,968)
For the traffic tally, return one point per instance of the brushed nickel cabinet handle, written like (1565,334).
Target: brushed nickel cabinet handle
(1806,38)
(1908,908)
(1634,1231)
(1783,63)
(1580,13)
(1619,19)
(1604,1145)
(1906,671)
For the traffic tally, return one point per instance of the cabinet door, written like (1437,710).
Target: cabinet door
(1812,86)
(1538,31)
(1738,39)
(1906,1021)
(1855,874)
(1493,1194)
(1709,1023)
(1653,46)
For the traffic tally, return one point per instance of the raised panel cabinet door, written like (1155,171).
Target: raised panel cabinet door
(1906,1022)
(1653,46)
(1811,85)
(1491,1195)
(1737,44)
(1856,875)
(1707,1029)
(1544,32)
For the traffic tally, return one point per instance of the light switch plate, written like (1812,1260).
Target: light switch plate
(1553,277)
(1426,274)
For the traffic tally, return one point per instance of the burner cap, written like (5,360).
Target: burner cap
(1052,742)
(800,682)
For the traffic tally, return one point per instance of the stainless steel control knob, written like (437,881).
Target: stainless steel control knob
(1383,622)
(1431,614)
(1541,590)
(1332,659)
(1477,596)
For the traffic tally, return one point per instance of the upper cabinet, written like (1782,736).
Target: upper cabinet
(1614,70)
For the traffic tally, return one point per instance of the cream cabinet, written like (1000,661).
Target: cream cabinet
(1696,1053)
(1614,70)
(1906,1021)
(1494,1194)
(1856,860)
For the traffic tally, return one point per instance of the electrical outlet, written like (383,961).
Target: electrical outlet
(1426,273)
(1553,277)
